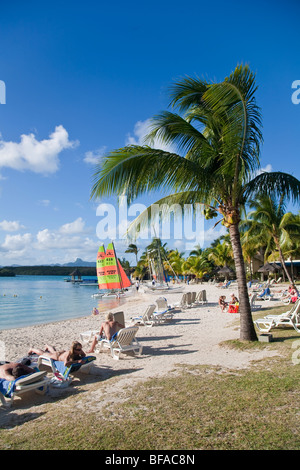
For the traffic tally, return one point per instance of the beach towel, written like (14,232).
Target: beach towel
(65,370)
(7,387)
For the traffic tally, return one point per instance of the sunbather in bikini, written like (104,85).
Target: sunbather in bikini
(74,355)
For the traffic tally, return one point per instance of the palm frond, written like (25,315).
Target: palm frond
(135,170)
(277,183)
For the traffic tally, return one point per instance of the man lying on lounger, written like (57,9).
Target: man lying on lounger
(14,370)
(108,328)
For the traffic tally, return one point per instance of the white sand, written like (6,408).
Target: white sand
(192,338)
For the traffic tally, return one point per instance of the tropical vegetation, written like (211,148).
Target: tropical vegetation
(217,131)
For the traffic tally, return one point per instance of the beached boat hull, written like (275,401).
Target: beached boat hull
(166,289)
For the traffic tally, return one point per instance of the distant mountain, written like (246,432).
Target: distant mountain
(80,262)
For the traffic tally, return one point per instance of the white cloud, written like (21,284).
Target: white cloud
(14,243)
(212,233)
(44,202)
(11,226)
(93,157)
(141,129)
(59,247)
(37,156)
(49,240)
(267,169)
(73,227)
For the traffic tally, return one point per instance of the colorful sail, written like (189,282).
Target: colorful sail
(110,273)
(100,266)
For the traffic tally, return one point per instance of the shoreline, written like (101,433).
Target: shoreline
(192,338)
(61,333)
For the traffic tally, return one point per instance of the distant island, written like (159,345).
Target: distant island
(45,271)
(86,269)
(7,272)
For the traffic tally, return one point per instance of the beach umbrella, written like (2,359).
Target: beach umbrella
(225,270)
(269,268)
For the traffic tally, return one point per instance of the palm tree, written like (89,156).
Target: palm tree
(132,248)
(270,222)
(218,134)
(175,261)
(197,265)
(221,254)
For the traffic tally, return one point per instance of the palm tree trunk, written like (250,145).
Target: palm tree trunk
(247,330)
(281,257)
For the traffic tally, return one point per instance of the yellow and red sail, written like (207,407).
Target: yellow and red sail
(110,273)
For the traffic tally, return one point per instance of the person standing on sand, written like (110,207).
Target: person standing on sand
(109,328)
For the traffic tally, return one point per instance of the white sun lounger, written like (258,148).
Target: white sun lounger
(122,342)
(290,318)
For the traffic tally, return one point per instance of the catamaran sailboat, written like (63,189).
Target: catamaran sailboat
(111,276)
(159,281)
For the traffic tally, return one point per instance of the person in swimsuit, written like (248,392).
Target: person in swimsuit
(13,370)
(108,329)
(222,302)
(74,355)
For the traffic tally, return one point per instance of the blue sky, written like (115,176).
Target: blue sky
(83,78)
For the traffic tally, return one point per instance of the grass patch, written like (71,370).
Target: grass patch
(199,407)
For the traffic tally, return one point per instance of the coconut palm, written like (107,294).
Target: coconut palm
(197,265)
(217,131)
(175,261)
(221,254)
(132,248)
(269,222)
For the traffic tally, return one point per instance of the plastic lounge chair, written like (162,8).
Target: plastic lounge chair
(183,302)
(189,299)
(122,342)
(145,319)
(61,372)
(163,307)
(162,317)
(201,297)
(87,336)
(225,286)
(265,295)
(10,389)
(290,318)
(284,314)
(253,305)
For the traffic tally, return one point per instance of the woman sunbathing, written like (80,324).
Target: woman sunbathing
(74,355)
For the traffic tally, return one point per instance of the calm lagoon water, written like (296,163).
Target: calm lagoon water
(32,300)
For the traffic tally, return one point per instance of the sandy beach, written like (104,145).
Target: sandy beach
(193,337)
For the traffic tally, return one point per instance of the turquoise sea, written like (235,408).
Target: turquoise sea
(32,300)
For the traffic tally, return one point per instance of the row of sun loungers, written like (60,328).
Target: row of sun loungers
(125,340)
